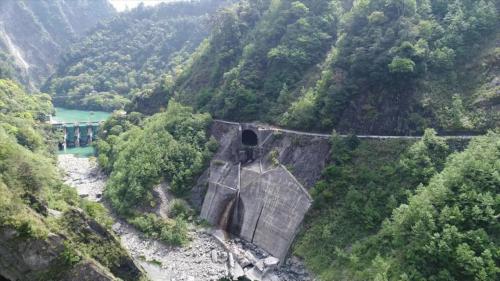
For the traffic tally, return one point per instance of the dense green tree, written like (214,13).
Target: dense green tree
(256,48)
(449,228)
(425,158)
(387,67)
(128,54)
(366,180)
(170,146)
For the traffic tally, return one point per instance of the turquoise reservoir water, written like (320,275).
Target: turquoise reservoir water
(87,151)
(72,116)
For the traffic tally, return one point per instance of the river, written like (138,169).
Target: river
(72,115)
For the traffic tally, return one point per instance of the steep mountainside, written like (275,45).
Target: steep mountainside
(9,69)
(373,66)
(392,210)
(129,53)
(47,232)
(35,32)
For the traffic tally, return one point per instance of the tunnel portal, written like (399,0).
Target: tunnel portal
(249,138)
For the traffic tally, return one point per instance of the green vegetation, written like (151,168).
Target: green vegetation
(27,183)
(399,55)
(171,231)
(8,70)
(171,146)
(449,228)
(444,202)
(140,153)
(123,57)
(257,51)
(179,208)
(383,210)
(372,66)
(31,191)
(365,182)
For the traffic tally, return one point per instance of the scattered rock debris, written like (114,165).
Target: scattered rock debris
(209,256)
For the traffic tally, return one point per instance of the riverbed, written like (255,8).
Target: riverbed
(161,262)
(204,258)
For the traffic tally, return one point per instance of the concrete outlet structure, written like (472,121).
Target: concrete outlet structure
(77,134)
(251,194)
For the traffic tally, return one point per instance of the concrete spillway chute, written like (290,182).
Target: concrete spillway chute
(264,206)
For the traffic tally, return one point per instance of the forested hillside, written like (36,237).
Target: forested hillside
(383,208)
(35,32)
(125,56)
(8,69)
(424,214)
(46,230)
(373,66)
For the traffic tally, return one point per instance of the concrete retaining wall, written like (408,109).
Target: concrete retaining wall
(265,200)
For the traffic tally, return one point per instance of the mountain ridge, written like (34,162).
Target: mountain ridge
(125,56)
(35,33)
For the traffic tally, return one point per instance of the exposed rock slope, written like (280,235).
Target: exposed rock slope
(35,32)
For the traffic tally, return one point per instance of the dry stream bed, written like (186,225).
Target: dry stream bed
(204,258)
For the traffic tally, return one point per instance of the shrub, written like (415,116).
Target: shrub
(180,208)
(69,256)
(274,155)
(98,212)
(170,231)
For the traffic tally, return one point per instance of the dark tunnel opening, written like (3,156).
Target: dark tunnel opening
(248,137)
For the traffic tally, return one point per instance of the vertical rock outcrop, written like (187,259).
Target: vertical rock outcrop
(27,258)
(22,259)
(41,259)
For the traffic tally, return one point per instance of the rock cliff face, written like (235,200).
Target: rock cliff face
(85,233)
(39,259)
(23,259)
(49,259)
(35,32)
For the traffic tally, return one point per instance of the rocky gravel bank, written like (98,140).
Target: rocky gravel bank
(205,258)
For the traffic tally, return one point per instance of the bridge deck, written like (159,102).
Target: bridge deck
(56,123)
